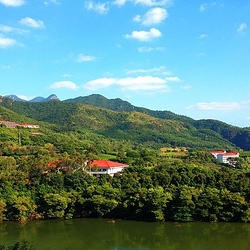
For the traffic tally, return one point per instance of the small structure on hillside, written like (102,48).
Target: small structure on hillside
(26,125)
(216,153)
(36,134)
(226,157)
(99,167)
(9,124)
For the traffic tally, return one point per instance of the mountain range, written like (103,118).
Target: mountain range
(52,97)
(120,120)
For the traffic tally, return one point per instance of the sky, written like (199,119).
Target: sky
(187,56)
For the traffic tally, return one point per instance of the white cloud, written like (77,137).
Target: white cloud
(119,2)
(173,79)
(6,42)
(226,106)
(83,58)
(216,106)
(153,16)
(6,29)
(66,75)
(12,3)
(242,28)
(137,18)
(100,83)
(202,36)
(160,70)
(52,2)
(130,83)
(142,83)
(213,4)
(101,8)
(64,85)
(37,24)
(9,29)
(5,67)
(248,118)
(149,3)
(203,7)
(144,36)
(145,49)
(186,87)
(200,54)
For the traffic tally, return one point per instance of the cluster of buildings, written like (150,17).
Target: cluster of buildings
(10,124)
(225,157)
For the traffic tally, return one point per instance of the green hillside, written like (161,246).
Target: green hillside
(134,126)
(120,105)
(238,136)
(45,176)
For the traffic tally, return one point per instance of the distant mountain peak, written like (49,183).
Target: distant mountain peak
(53,97)
(15,98)
(38,99)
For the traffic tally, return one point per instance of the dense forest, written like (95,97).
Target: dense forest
(20,245)
(44,183)
(172,176)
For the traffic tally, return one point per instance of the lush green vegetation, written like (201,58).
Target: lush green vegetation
(149,129)
(21,245)
(44,183)
(238,136)
(42,176)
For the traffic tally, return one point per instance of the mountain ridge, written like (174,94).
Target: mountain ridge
(238,136)
(52,97)
(120,119)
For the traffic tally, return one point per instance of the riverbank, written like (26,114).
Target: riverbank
(92,234)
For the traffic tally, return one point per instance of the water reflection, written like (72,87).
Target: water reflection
(93,234)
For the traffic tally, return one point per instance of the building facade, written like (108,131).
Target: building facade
(227,158)
(100,167)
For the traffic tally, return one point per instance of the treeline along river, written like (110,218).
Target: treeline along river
(103,234)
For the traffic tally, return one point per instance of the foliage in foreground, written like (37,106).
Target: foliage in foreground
(51,185)
(21,245)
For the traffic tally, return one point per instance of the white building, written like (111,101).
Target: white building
(216,153)
(99,167)
(227,157)
(26,125)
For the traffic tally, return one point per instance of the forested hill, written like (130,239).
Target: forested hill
(121,105)
(140,126)
(236,135)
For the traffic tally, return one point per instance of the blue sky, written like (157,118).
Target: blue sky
(188,56)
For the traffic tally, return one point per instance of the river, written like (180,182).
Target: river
(102,234)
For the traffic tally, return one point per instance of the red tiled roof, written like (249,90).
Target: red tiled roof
(217,152)
(107,164)
(53,164)
(233,153)
(27,124)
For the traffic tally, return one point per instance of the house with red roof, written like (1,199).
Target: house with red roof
(224,157)
(9,124)
(99,167)
(26,125)
(216,153)
(227,157)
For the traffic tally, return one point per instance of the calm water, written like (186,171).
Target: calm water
(99,234)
